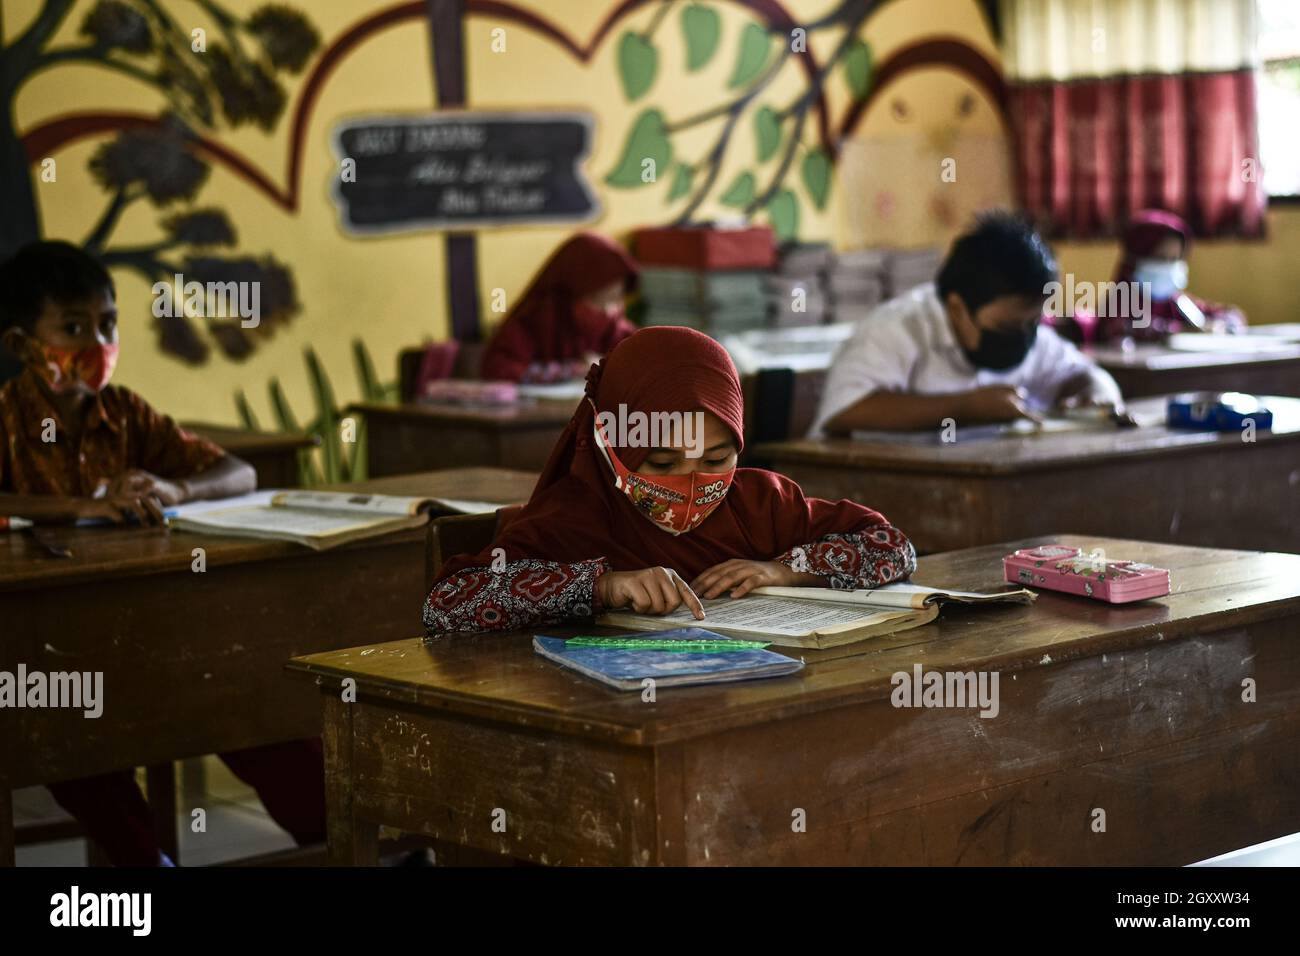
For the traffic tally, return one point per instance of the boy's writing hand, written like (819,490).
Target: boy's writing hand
(138,483)
(1087,391)
(740,577)
(648,591)
(117,507)
(999,403)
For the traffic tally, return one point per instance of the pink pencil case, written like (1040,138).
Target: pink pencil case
(1061,568)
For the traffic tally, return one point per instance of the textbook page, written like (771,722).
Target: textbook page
(767,615)
(294,522)
(350,502)
(900,595)
(254,499)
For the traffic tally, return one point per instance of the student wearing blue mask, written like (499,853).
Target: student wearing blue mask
(1155,255)
(970,346)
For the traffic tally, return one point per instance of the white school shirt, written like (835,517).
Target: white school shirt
(907,345)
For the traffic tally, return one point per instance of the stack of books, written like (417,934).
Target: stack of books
(796,290)
(713,302)
(906,269)
(705,277)
(856,282)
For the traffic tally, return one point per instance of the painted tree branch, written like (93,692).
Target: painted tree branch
(737,108)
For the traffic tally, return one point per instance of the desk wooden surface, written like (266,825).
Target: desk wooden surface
(1156,369)
(193,662)
(273,455)
(415,437)
(107,553)
(1136,709)
(1152,482)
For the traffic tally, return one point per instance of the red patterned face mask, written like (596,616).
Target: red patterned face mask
(675,503)
(64,368)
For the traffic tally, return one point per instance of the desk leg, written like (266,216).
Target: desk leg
(160,782)
(352,841)
(6,825)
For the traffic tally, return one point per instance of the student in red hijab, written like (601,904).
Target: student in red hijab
(626,520)
(1155,254)
(571,315)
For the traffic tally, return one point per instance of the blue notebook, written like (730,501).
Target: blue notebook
(625,668)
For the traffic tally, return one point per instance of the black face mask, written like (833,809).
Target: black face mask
(999,351)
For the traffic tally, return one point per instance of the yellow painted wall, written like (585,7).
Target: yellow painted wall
(389,290)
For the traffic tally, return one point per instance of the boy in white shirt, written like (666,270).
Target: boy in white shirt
(970,346)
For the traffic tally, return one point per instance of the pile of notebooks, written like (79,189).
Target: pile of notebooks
(796,289)
(705,277)
(860,280)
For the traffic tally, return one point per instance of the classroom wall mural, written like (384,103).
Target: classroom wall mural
(226,163)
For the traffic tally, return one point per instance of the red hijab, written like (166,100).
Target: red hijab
(549,323)
(576,513)
(1146,230)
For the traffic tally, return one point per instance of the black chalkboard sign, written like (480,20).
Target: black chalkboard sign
(462,169)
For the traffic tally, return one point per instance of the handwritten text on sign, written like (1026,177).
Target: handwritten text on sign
(463,169)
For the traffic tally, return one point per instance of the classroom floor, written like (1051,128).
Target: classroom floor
(237,826)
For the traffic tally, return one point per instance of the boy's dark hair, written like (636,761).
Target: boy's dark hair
(47,270)
(1002,255)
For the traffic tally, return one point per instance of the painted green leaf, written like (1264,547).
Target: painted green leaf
(857,68)
(682,178)
(740,192)
(648,139)
(817,176)
(767,132)
(701,28)
(754,43)
(280,406)
(783,213)
(637,62)
(246,416)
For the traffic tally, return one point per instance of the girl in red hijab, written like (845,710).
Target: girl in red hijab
(625,519)
(1155,253)
(571,315)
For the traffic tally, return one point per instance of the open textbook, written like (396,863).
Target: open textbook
(817,617)
(318,519)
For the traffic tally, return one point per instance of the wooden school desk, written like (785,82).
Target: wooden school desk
(273,455)
(1150,482)
(413,437)
(1154,369)
(193,663)
(1135,710)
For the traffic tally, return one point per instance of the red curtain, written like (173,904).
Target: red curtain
(1092,152)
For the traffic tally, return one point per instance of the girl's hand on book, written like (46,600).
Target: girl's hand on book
(648,591)
(740,577)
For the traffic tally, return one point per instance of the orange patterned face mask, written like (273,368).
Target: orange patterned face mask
(64,368)
(675,503)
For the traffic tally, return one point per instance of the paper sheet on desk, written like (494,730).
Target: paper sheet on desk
(1024,428)
(555,391)
(1228,344)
